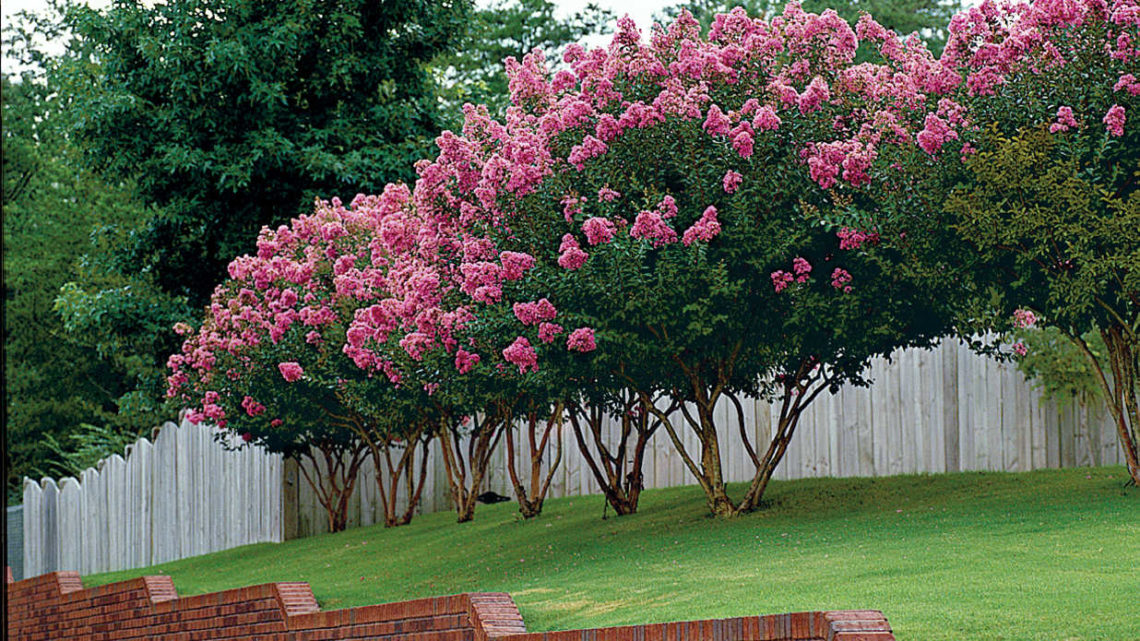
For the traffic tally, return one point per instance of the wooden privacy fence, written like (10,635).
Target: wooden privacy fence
(183,495)
(929,411)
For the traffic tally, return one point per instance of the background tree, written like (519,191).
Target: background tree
(473,70)
(52,214)
(233,114)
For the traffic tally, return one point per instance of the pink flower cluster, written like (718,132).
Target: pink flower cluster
(840,279)
(731,181)
(651,226)
(536,312)
(581,340)
(1114,120)
(290,371)
(705,229)
(781,279)
(854,239)
(570,254)
(1065,120)
(598,230)
(1024,318)
(522,354)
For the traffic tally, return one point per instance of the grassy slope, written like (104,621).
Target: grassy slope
(1041,555)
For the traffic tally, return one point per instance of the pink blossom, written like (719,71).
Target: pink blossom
(581,340)
(1128,83)
(717,124)
(548,331)
(465,360)
(802,269)
(731,181)
(213,411)
(515,264)
(934,134)
(598,230)
(742,143)
(766,119)
(536,312)
(816,93)
(1114,120)
(522,354)
(1065,120)
(840,279)
(1019,348)
(606,195)
(781,279)
(651,226)
(290,371)
(1024,318)
(571,256)
(591,147)
(854,239)
(667,207)
(705,229)
(252,407)
(416,344)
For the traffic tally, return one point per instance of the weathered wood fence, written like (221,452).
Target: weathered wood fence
(939,410)
(183,495)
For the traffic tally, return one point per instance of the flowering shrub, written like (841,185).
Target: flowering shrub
(277,357)
(1051,205)
(661,266)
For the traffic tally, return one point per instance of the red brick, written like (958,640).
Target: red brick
(56,607)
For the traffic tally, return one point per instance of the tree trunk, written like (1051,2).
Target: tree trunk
(392,471)
(335,482)
(800,389)
(466,470)
(618,475)
(530,503)
(1121,392)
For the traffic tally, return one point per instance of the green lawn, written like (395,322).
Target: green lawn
(1049,555)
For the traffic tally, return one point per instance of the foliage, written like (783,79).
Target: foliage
(53,382)
(1057,367)
(87,447)
(473,71)
(928,18)
(824,543)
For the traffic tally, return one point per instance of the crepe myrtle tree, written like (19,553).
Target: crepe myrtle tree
(1040,183)
(475,365)
(709,254)
(273,361)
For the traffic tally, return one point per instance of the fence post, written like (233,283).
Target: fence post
(290,515)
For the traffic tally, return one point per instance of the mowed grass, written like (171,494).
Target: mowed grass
(1049,555)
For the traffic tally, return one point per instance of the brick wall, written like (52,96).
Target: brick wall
(56,607)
